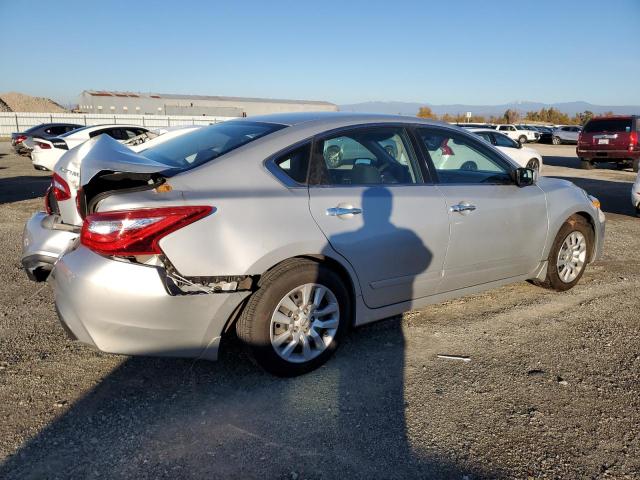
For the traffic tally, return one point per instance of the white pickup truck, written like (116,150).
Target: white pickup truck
(518,134)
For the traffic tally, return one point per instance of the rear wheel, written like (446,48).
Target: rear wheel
(534,164)
(556,140)
(636,164)
(522,139)
(569,254)
(586,164)
(296,319)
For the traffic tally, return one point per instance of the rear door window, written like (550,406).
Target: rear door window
(608,125)
(365,156)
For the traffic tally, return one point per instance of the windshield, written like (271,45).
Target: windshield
(205,144)
(609,125)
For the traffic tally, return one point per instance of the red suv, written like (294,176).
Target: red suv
(610,139)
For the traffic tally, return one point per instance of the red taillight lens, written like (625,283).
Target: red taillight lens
(136,232)
(43,146)
(47,206)
(21,138)
(60,187)
(633,140)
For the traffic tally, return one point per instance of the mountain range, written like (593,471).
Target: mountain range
(411,108)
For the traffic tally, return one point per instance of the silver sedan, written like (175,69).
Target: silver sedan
(293,228)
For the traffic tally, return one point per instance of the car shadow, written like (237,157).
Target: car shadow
(16,189)
(615,197)
(166,418)
(574,162)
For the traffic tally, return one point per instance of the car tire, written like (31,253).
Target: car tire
(534,164)
(586,164)
(636,165)
(569,255)
(522,139)
(269,340)
(556,140)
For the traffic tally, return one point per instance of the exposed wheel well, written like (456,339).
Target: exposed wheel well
(591,222)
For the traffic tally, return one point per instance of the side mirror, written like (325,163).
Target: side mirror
(523,177)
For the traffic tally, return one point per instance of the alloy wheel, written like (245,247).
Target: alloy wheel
(572,257)
(304,323)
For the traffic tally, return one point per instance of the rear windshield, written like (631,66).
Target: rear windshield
(205,144)
(609,125)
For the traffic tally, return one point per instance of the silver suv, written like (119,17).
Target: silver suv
(566,134)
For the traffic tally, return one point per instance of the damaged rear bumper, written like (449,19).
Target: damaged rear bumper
(125,308)
(44,239)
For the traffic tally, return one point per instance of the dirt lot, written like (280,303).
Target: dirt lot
(552,389)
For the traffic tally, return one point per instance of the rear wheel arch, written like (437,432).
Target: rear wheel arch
(328,261)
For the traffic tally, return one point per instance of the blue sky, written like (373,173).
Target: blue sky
(466,51)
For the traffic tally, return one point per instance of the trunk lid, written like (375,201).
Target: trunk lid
(100,167)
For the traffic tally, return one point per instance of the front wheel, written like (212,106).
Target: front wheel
(295,321)
(569,254)
(556,140)
(534,164)
(522,139)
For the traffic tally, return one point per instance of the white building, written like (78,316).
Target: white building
(94,101)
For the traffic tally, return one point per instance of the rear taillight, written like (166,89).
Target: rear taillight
(136,232)
(633,140)
(47,205)
(21,138)
(42,145)
(580,137)
(60,187)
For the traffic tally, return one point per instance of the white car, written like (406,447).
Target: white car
(523,156)
(635,194)
(46,153)
(518,134)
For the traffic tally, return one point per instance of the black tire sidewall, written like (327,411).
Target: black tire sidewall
(569,226)
(266,301)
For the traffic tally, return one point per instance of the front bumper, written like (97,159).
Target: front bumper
(599,227)
(44,239)
(122,307)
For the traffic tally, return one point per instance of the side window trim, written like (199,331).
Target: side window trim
(317,158)
(482,148)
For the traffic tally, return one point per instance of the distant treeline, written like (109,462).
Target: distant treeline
(546,115)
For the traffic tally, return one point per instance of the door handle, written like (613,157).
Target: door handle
(343,211)
(462,207)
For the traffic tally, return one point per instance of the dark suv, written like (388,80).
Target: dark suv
(610,139)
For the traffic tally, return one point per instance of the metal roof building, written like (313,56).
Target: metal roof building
(100,101)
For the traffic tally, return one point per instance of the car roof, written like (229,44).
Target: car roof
(336,119)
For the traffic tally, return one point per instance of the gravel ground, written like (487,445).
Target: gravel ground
(551,389)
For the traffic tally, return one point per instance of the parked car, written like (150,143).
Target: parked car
(44,130)
(518,134)
(531,128)
(546,134)
(610,139)
(246,225)
(635,194)
(566,134)
(48,233)
(47,151)
(523,156)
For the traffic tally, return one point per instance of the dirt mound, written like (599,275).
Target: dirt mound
(19,102)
